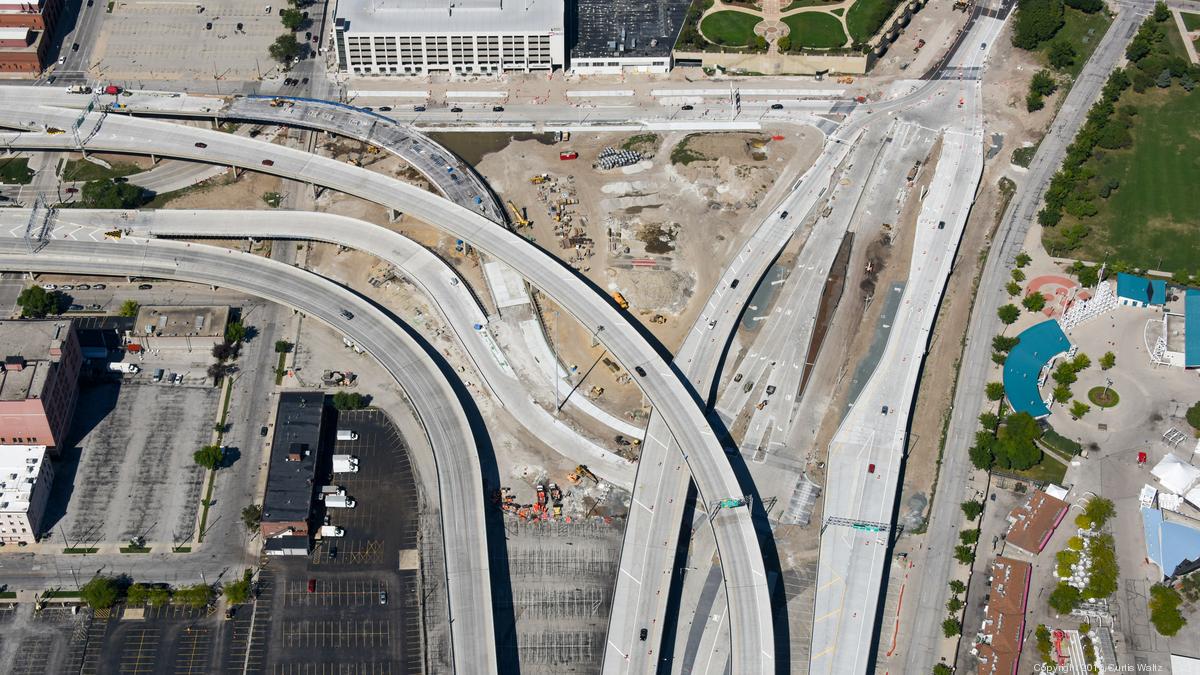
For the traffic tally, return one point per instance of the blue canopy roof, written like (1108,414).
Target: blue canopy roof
(1169,544)
(1191,328)
(1038,345)
(1141,289)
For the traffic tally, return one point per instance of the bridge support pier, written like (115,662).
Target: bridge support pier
(155,159)
(237,171)
(318,190)
(394,215)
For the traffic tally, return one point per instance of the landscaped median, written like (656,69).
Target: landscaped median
(730,27)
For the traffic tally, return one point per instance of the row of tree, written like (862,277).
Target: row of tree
(103,592)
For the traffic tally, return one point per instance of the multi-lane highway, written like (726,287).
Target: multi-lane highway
(752,638)
(440,410)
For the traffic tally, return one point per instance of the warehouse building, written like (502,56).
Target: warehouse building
(181,328)
(625,36)
(292,468)
(25,480)
(25,31)
(40,382)
(461,37)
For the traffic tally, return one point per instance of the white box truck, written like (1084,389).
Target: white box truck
(128,368)
(347,435)
(332,531)
(327,490)
(339,502)
(345,464)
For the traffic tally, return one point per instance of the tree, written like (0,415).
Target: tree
(1161,12)
(981,456)
(1064,598)
(969,537)
(1013,288)
(159,596)
(954,605)
(100,592)
(282,346)
(989,420)
(1062,54)
(1016,447)
(951,627)
(1087,275)
(251,517)
(1061,394)
(1034,302)
(784,43)
(957,586)
(1002,343)
(36,302)
(1099,510)
(238,592)
(971,510)
(964,554)
(109,194)
(1023,258)
(1164,79)
(1164,610)
(1103,570)
(1108,360)
(284,48)
(1079,409)
(1193,416)
(235,332)
(994,391)
(942,669)
(1036,21)
(223,351)
(1034,102)
(129,309)
(1018,275)
(210,457)
(196,597)
(137,595)
(1086,6)
(344,400)
(291,19)
(1008,314)
(1075,543)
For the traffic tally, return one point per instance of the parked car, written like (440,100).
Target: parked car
(98,287)
(49,287)
(76,308)
(418,108)
(304,81)
(687,107)
(71,190)
(145,287)
(66,287)
(82,287)
(383,597)
(312,585)
(208,26)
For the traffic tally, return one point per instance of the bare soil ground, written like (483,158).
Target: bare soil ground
(223,192)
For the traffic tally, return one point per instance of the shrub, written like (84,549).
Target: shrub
(1013,288)
(1064,598)
(1079,409)
(1036,22)
(951,627)
(1100,510)
(969,536)
(1193,416)
(1108,360)
(210,457)
(129,309)
(344,400)
(995,391)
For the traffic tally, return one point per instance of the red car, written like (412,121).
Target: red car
(71,190)
(268,162)
(870,468)
(312,585)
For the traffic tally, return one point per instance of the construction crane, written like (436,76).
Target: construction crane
(519,214)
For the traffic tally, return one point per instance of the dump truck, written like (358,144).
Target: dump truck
(127,368)
(620,300)
(347,435)
(339,502)
(332,531)
(345,464)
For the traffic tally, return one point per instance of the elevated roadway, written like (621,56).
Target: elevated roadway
(426,270)
(464,534)
(742,562)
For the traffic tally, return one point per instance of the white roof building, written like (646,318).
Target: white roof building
(25,480)
(465,37)
(1176,475)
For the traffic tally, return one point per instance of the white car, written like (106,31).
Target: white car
(49,287)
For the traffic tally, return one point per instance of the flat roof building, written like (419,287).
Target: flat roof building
(462,37)
(186,327)
(292,466)
(25,29)
(1140,292)
(25,480)
(615,36)
(998,642)
(1032,523)
(39,384)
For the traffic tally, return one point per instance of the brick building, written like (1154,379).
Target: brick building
(40,382)
(292,468)
(26,27)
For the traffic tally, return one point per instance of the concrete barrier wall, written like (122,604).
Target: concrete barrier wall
(792,64)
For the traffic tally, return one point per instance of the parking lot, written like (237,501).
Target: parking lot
(131,473)
(142,40)
(363,613)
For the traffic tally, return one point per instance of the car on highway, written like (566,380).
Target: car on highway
(687,107)
(941,224)
(91,2)
(734,283)
(870,468)
(75,47)
(643,634)
(201,145)
(145,287)
(347,314)
(263,432)
(385,108)
(268,162)
(776,106)
(640,370)
(239,26)
(418,108)
(497,108)
(456,109)
(783,214)
(884,411)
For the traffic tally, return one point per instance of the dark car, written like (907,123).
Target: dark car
(201,145)
(304,81)
(347,314)
(734,283)
(308,35)
(208,26)
(239,26)
(76,308)
(643,634)
(263,432)
(315,39)
(783,215)
(776,106)
(333,553)
(268,162)
(687,107)
(91,2)
(456,109)
(640,370)
(71,190)
(385,108)
(941,224)
(75,47)
(418,108)
(145,287)
(497,108)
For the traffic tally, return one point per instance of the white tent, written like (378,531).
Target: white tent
(1176,475)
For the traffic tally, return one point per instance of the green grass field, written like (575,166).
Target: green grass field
(731,28)
(815,30)
(1151,220)
(866,17)
(1048,470)
(15,171)
(797,4)
(81,169)
(1190,21)
(1083,32)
